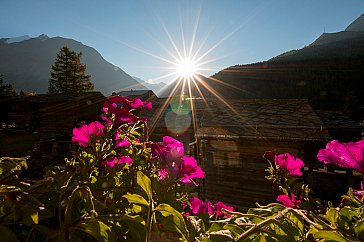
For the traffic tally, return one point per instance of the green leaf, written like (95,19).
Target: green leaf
(359,229)
(234,229)
(329,236)
(221,236)
(34,217)
(132,218)
(136,199)
(175,220)
(7,235)
(96,229)
(332,215)
(215,227)
(145,183)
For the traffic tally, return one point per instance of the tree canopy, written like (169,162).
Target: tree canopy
(68,74)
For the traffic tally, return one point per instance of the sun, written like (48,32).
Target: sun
(187,68)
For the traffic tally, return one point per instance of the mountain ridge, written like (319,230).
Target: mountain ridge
(28,65)
(328,72)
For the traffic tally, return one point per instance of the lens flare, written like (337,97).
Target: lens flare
(187,68)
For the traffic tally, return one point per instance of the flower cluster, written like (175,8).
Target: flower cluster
(120,110)
(168,155)
(287,162)
(196,206)
(173,163)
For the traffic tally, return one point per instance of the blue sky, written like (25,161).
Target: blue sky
(132,34)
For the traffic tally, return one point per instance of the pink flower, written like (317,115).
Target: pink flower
(129,103)
(289,163)
(348,155)
(220,214)
(288,202)
(197,206)
(111,162)
(124,143)
(359,194)
(169,150)
(122,115)
(162,174)
(189,169)
(83,134)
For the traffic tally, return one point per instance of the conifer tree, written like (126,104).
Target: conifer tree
(68,74)
(6,90)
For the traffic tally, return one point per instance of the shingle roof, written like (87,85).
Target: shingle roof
(262,118)
(291,119)
(134,93)
(337,120)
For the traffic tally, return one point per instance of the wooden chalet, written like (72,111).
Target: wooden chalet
(340,126)
(132,93)
(234,136)
(51,117)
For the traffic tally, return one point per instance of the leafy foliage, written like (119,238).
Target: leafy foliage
(113,189)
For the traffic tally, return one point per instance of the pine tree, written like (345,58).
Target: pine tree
(6,90)
(68,74)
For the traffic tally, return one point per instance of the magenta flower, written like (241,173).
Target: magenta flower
(129,103)
(287,201)
(289,163)
(197,206)
(111,162)
(170,149)
(359,194)
(122,115)
(162,174)
(189,170)
(124,143)
(219,213)
(83,134)
(347,155)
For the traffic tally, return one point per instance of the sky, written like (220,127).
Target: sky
(143,37)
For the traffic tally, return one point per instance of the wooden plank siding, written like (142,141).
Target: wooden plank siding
(235,170)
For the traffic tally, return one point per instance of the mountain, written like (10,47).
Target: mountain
(329,73)
(357,25)
(155,87)
(26,64)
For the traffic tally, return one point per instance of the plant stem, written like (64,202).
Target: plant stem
(260,225)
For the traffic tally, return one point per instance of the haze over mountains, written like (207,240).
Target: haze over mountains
(26,63)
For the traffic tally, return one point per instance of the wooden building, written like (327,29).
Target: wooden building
(50,117)
(234,136)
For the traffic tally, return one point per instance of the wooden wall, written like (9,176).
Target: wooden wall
(235,170)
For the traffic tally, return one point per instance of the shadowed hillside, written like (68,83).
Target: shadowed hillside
(26,65)
(329,72)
